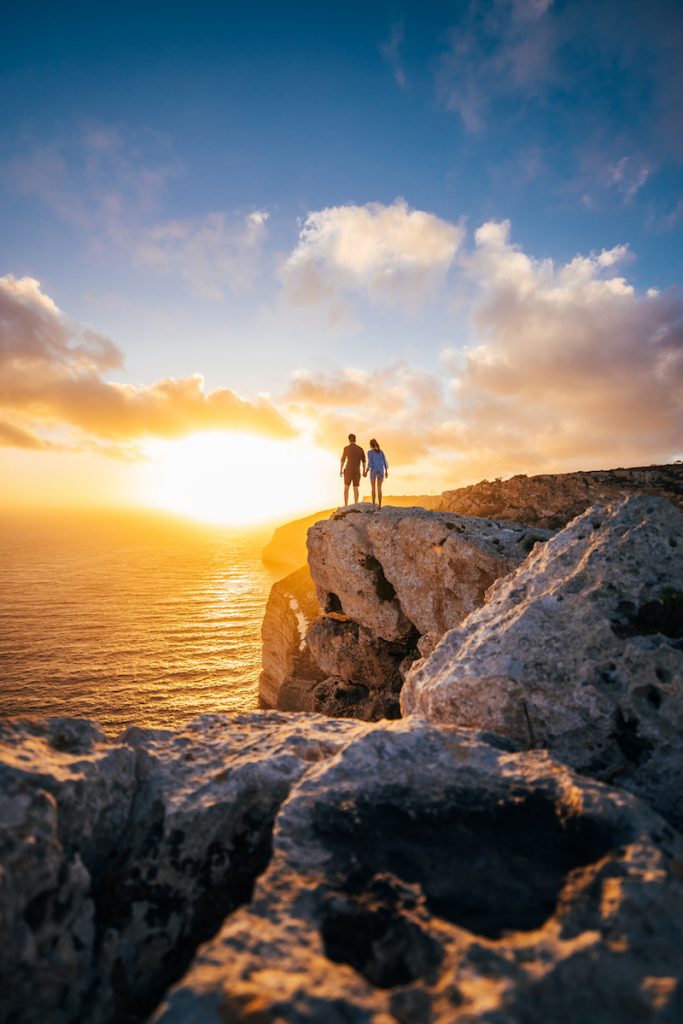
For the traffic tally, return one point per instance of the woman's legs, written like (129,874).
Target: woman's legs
(372,485)
(379,491)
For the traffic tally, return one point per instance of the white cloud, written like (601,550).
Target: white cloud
(389,252)
(390,50)
(213,253)
(569,367)
(629,175)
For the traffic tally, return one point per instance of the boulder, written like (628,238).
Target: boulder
(289,672)
(553,499)
(579,651)
(436,875)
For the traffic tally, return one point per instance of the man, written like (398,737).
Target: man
(352,457)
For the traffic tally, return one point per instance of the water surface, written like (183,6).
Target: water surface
(129,619)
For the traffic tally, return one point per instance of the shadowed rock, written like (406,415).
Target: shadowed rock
(432,875)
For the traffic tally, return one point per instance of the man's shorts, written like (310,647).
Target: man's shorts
(352,476)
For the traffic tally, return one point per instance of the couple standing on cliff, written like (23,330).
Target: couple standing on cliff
(352,458)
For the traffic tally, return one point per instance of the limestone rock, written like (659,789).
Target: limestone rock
(289,672)
(552,500)
(579,651)
(118,859)
(427,875)
(341,647)
(348,577)
(400,570)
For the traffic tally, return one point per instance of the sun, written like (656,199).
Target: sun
(237,478)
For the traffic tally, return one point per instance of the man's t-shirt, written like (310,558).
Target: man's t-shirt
(354,455)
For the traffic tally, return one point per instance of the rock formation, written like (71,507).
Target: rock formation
(386,582)
(292,868)
(579,651)
(287,547)
(289,671)
(553,499)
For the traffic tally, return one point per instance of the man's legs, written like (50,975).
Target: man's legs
(355,493)
(346,494)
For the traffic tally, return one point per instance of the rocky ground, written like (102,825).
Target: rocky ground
(509,852)
(295,868)
(553,499)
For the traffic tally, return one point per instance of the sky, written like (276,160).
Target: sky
(231,233)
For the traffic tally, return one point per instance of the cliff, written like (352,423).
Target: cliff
(510,850)
(287,547)
(554,499)
(389,583)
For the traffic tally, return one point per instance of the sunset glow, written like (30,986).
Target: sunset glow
(236,479)
(269,225)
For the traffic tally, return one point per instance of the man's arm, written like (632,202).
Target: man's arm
(341,464)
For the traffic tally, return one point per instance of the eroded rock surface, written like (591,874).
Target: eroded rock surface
(401,577)
(579,651)
(118,859)
(289,671)
(552,500)
(427,875)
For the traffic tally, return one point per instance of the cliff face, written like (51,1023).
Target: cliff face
(289,670)
(552,500)
(389,583)
(305,870)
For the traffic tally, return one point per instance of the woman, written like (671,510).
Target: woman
(378,467)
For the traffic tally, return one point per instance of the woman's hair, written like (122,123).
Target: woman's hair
(374,443)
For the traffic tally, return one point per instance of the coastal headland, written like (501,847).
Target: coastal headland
(466,806)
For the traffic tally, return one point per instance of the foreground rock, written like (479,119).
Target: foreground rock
(294,868)
(554,499)
(427,876)
(118,859)
(579,651)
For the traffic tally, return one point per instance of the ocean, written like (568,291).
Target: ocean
(129,619)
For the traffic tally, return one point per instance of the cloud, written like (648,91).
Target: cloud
(51,376)
(628,176)
(497,50)
(569,367)
(111,185)
(211,253)
(391,253)
(390,50)
(14,436)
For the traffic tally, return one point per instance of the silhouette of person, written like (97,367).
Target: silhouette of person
(349,467)
(378,467)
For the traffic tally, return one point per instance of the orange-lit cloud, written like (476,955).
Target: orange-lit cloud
(569,367)
(391,253)
(51,376)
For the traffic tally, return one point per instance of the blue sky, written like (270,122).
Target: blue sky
(189,181)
